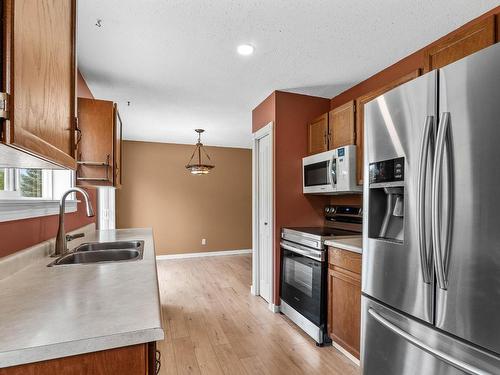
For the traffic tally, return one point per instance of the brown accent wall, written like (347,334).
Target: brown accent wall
(181,208)
(290,112)
(20,234)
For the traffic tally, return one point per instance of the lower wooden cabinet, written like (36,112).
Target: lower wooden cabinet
(130,360)
(344,299)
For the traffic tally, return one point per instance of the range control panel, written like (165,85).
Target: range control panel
(392,170)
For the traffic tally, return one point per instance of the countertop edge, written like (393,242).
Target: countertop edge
(43,353)
(342,245)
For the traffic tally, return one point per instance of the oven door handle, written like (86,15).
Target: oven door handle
(312,254)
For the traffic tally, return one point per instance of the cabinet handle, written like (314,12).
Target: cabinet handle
(158,362)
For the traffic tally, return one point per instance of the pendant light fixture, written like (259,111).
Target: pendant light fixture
(198,167)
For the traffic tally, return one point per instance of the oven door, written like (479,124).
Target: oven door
(303,280)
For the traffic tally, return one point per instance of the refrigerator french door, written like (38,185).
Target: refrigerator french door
(431,260)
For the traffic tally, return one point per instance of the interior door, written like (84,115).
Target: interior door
(468,258)
(264,166)
(396,272)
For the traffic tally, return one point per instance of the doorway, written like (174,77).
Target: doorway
(263,224)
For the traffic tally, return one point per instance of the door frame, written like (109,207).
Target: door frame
(255,288)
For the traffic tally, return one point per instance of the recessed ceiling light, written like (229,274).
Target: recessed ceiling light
(245,49)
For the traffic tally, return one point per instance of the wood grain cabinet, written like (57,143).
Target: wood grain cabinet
(130,360)
(460,44)
(99,141)
(341,126)
(344,299)
(39,79)
(317,131)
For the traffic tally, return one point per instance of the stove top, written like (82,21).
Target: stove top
(340,221)
(322,231)
(315,237)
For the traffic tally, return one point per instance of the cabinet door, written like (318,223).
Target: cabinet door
(344,312)
(96,119)
(360,103)
(128,360)
(117,149)
(39,78)
(460,44)
(341,126)
(318,134)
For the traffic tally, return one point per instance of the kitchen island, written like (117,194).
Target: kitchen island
(67,310)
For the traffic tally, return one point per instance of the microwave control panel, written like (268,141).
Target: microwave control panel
(392,170)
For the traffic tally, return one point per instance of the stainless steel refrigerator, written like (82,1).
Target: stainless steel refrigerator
(431,235)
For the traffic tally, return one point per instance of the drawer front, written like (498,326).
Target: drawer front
(345,259)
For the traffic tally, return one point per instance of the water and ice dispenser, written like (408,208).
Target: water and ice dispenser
(387,196)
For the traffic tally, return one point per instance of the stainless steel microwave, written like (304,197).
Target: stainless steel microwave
(331,172)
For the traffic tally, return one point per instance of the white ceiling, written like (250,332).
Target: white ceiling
(176,60)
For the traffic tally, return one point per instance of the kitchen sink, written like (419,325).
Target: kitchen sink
(100,252)
(106,246)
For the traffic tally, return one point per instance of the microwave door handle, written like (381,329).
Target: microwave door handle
(332,176)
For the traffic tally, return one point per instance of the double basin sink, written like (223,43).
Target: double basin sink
(99,252)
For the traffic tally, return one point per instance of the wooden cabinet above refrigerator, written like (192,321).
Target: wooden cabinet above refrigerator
(99,143)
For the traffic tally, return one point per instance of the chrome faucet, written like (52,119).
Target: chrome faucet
(61,239)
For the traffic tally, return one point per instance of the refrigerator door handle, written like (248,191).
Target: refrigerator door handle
(463,366)
(440,250)
(426,152)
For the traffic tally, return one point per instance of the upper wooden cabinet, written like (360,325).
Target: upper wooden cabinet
(360,117)
(99,143)
(341,122)
(38,66)
(318,134)
(460,44)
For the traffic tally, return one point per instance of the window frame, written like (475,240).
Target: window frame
(15,207)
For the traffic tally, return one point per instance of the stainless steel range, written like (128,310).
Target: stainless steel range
(304,268)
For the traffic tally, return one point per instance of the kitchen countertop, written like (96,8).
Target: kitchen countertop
(354,244)
(53,312)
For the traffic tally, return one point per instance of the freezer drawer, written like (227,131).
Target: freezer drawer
(393,344)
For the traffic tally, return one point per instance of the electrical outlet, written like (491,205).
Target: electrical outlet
(203,241)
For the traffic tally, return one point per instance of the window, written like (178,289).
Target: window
(28,193)
(39,184)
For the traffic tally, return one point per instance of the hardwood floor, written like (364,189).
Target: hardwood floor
(213,325)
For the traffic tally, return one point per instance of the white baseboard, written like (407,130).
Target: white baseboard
(252,290)
(204,254)
(346,353)
(274,308)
